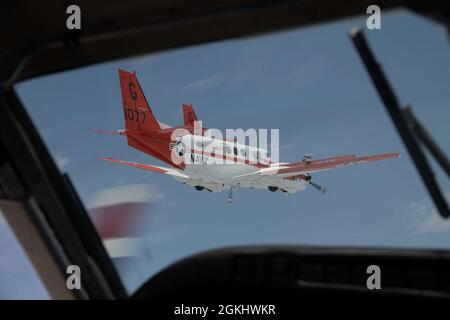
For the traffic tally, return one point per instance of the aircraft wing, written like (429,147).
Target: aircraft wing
(148,167)
(298,168)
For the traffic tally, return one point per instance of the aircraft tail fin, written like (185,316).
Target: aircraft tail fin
(137,112)
(189,115)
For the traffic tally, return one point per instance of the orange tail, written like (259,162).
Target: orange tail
(137,112)
(189,115)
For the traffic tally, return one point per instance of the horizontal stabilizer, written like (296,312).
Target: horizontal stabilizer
(148,167)
(120,132)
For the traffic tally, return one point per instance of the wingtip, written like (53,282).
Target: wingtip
(99,131)
(390,155)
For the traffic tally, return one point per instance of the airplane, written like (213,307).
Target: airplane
(192,155)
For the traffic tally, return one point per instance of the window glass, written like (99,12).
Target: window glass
(271,81)
(18,279)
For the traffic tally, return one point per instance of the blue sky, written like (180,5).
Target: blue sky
(310,84)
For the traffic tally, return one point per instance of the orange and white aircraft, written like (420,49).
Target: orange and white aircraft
(192,156)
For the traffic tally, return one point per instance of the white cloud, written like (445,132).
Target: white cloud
(62,161)
(307,73)
(205,83)
(120,181)
(426,218)
(287,146)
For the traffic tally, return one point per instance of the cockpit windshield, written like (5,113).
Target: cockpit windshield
(310,85)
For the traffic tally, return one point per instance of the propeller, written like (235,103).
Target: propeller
(318,187)
(230,193)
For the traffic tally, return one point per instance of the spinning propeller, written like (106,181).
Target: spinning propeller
(307,158)
(318,187)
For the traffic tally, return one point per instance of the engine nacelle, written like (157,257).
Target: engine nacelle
(307,158)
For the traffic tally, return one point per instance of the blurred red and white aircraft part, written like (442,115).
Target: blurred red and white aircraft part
(120,215)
